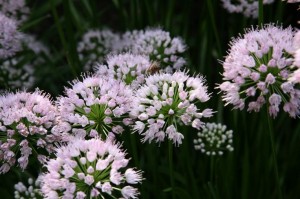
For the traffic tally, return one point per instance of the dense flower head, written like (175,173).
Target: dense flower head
(25,123)
(129,68)
(32,191)
(295,76)
(159,46)
(15,9)
(214,139)
(9,37)
(90,169)
(94,106)
(167,101)
(247,7)
(95,45)
(17,72)
(256,71)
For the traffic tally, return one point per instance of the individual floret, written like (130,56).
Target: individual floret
(214,139)
(129,68)
(94,106)
(166,102)
(256,71)
(90,169)
(95,45)
(25,123)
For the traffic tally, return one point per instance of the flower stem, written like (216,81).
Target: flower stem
(171,168)
(260,13)
(270,124)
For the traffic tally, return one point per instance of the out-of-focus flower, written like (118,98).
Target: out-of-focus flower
(256,71)
(17,72)
(292,1)
(129,68)
(95,45)
(249,8)
(167,101)
(214,139)
(15,9)
(9,37)
(90,168)
(25,123)
(32,191)
(159,46)
(94,106)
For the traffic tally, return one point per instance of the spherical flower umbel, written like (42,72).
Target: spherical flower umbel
(30,191)
(295,76)
(9,37)
(94,106)
(160,47)
(129,68)
(214,139)
(256,71)
(167,101)
(95,45)
(25,123)
(90,169)
(247,7)
(15,9)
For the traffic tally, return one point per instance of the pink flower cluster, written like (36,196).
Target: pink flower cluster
(90,169)
(167,101)
(25,123)
(94,106)
(256,71)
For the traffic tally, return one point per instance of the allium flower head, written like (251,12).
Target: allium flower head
(167,101)
(17,72)
(129,68)
(25,123)
(256,71)
(295,76)
(32,191)
(9,37)
(15,9)
(94,106)
(214,139)
(90,169)
(247,7)
(160,47)
(95,45)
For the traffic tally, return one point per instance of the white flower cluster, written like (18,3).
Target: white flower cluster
(31,192)
(10,37)
(94,106)
(25,123)
(214,139)
(167,101)
(249,8)
(15,9)
(129,68)
(257,68)
(95,45)
(90,169)
(18,71)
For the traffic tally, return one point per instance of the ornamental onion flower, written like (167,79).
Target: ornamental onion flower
(249,8)
(31,191)
(25,123)
(17,72)
(256,71)
(95,45)
(295,76)
(15,9)
(129,68)
(214,139)
(167,101)
(90,169)
(94,106)
(10,37)
(160,47)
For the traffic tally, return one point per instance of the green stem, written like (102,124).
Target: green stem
(274,156)
(212,168)
(171,168)
(260,13)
